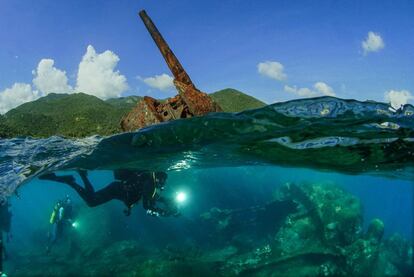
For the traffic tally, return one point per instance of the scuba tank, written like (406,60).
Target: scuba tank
(55,212)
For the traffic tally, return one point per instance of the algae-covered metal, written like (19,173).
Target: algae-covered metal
(188,103)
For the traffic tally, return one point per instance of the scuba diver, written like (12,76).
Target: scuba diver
(61,219)
(129,186)
(5,223)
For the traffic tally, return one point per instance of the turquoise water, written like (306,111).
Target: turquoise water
(227,163)
(230,187)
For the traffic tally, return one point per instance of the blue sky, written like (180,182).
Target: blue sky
(219,43)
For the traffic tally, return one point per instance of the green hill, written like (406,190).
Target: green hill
(81,115)
(124,103)
(74,115)
(232,100)
(5,130)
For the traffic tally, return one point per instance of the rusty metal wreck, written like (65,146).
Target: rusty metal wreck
(189,101)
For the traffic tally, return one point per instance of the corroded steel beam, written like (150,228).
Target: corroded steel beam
(188,103)
(175,66)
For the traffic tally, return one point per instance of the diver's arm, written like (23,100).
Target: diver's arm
(149,192)
(149,204)
(148,201)
(168,207)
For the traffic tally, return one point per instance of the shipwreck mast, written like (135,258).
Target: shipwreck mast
(188,103)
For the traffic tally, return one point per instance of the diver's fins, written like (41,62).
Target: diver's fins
(67,179)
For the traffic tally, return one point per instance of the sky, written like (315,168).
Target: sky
(272,50)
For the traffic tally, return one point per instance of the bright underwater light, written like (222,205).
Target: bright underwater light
(75,224)
(181,197)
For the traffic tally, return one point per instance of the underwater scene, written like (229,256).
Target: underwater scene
(115,162)
(314,187)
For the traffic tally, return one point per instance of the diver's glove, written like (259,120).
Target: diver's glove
(157,212)
(153,213)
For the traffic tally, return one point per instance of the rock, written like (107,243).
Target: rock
(375,230)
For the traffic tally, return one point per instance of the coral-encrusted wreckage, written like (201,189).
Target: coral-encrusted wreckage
(189,102)
(308,230)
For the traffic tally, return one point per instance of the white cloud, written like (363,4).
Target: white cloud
(18,94)
(320,89)
(303,92)
(50,79)
(373,43)
(273,70)
(161,82)
(96,75)
(324,89)
(398,98)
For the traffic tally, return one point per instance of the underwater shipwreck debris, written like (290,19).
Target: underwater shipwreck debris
(323,237)
(259,220)
(188,103)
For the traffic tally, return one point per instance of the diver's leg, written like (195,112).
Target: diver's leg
(52,238)
(61,179)
(86,194)
(84,176)
(93,198)
(111,191)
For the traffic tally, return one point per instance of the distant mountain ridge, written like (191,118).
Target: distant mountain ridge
(81,115)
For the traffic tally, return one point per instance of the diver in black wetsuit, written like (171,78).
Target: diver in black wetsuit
(129,187)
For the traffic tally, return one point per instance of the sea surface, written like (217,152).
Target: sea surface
(225,162)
